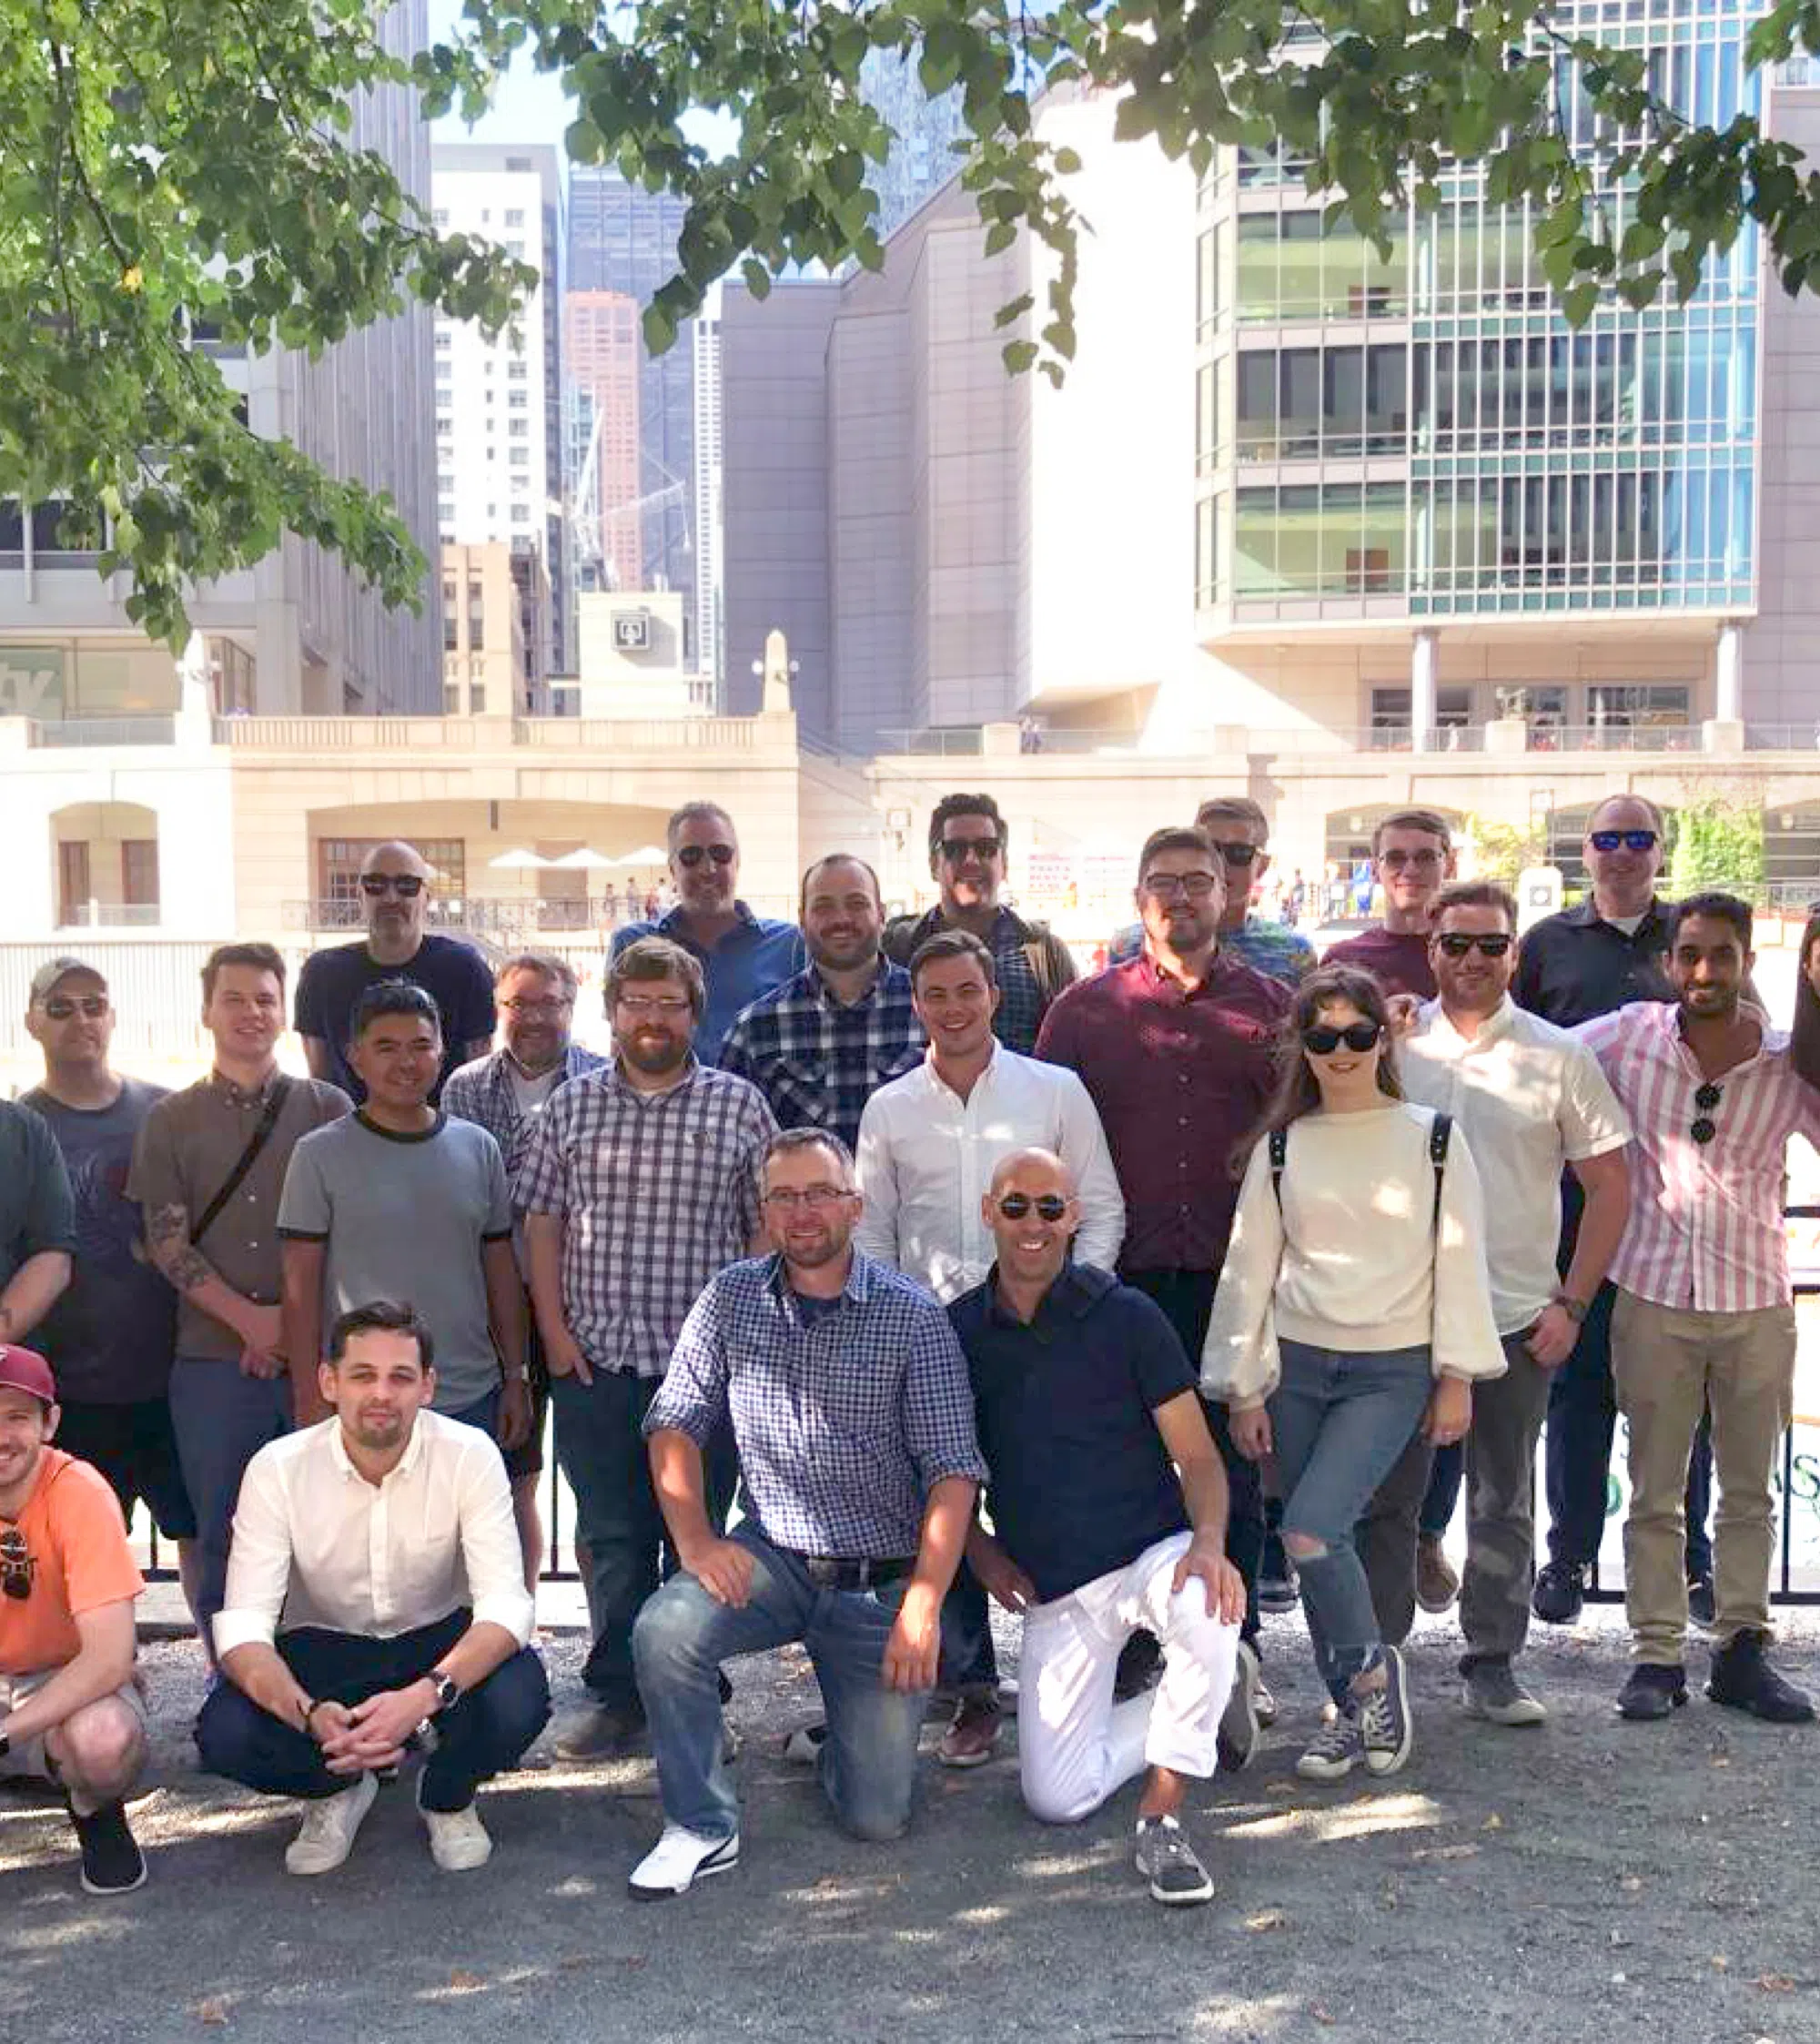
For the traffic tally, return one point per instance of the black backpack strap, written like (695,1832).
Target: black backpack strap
(261,1136)
(1278,1143)
(1439,1130)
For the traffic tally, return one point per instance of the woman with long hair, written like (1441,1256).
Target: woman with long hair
(1353,1306)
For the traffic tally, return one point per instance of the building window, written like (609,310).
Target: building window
(520,457)
(441,216)
(1544,709)
(139,872)
(452,700)
(518,369)
(233,678)
(1627,707)
(514,216)
(445,425)
(337,872)
(477,614)
(445,341)
(518,400)
(450,618)
(1392,708)
(520,429)
(1289,269)
(73,883)
(520,514)
(1320,539)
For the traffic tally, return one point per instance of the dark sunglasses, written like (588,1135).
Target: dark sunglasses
(693,855)
(1235,854)
(955,849)
(406,885)
(17,1566)
(1356,1036)
(1051,1205)
(61,1006)
(1706,1098)
(1632,840)
(1456,943)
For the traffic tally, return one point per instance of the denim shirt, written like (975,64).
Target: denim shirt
(756,955)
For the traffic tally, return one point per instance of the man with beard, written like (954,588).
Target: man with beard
(395,889)
(641,1183)
(504,1093)
(382,1540)
(847,1395)
(820,1046)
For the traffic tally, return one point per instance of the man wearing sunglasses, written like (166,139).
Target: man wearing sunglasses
(967,847)
(740,954)
(1108,1507)
(394,894)
(1704,1318)
(69,1706)
(1533,1104)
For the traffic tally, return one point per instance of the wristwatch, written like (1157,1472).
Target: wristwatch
(447,1691)
(1575,1308)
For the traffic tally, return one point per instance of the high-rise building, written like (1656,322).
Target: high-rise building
(623,239)
(604,362)
(923,158)
(499,402)
(708,482)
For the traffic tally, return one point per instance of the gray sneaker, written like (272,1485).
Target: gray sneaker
(1493,1693)
(1385,1718)
(1335,1750)
(1167,1860)
(1238,1720)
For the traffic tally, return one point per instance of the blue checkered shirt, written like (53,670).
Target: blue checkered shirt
(845,1422)
(657,1192)
(817,1061)
(482,1092)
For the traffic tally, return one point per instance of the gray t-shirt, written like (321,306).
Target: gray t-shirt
(403,1217)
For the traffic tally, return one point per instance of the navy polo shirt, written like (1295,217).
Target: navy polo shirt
(1081,1482)
(1574,964)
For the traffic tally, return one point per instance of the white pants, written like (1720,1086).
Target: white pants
(1076,1745)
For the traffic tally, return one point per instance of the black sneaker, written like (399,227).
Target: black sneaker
(1141,1666)
(1741,1679)
(1559,1593)
(112,1863)
(1385,1730)
(1238,1720)
(1167,1861)
(1653,1691)
(1700,1605)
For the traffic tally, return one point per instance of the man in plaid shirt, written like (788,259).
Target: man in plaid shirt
(641,1183)
(820,1046)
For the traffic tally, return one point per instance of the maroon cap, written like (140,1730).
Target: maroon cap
(25,1370)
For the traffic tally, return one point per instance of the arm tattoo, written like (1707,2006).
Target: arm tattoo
(168,1237)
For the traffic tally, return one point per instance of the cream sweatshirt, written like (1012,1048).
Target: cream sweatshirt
(1353,1259)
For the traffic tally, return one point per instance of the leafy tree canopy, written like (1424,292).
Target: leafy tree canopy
(167,162)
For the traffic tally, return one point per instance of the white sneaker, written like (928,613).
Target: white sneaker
(330,1827)
(679,1859)
(458,1839)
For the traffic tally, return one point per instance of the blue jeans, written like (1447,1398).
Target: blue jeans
(969,1659)
(483,1734)
(1340,1421)
(601,1453)
(484,1413)
(221,1420)
(868,1761)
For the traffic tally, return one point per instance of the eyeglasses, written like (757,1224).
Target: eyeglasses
(786,1199)
(553,1003)
(1456,943)
(407,887)
(1632,840)
(1193,887)
(693,855)
(61,1006)
(1051,1205)
(1706,1098)
(955,849)
(17,1566)
(1355,1035)
(1236,853)
(1428,859)
(668,1005)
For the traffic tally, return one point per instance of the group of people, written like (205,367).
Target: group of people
(885,1271)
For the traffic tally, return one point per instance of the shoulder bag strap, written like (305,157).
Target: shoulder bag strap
(261,1136)
(1279,1151)
(1439,1130)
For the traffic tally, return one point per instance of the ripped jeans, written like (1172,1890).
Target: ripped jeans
(1339,1418)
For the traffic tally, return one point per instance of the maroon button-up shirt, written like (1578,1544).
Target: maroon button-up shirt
(1179,1080)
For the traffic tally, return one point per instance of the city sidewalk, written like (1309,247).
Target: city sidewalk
(1590,1881)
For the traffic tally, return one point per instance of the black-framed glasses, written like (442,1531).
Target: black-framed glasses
(786,1199)
(1193,886)
(17,1566)
(550,1004)
(407,887)
(1632,840)
(61,1006)
(1355,1035)
(1492,944)
(720,851)
(1426,860)
(956,849)
(1014,1206)
(1706,1099)
(1236,853)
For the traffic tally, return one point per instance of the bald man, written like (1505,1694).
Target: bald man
(1109,1503)
(395,894)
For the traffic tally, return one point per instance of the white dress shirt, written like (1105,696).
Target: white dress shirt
(925,1157)
(315,1544)
(1530,1099)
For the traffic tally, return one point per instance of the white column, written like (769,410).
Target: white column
(1729,697)
(1425,666)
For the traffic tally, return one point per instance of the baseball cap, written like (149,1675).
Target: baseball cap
(47,975)
(25,1370)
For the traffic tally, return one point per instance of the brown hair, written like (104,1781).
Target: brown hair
(655,958)
(1427,820)
(545,964)
(1237,808)
(257,958)
(951,943)
(1177,837)
(1475,894)
(1297,1091)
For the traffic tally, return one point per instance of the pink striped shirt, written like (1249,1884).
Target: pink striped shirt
(1705,1230)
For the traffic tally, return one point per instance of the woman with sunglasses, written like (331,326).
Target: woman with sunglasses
(1353,1306)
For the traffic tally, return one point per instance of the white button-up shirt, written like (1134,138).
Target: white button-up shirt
(926,1157)
(315,1544)
(1530,1099)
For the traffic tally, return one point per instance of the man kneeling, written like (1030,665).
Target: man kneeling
(69,1706)
(384,1537)
(1084,1401)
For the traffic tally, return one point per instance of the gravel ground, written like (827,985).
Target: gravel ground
(1590,1881)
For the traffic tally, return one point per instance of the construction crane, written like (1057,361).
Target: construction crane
(587,517)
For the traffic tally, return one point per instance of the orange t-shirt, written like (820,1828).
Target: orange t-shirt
(80,1560)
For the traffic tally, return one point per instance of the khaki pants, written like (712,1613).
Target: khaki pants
(1667,1361)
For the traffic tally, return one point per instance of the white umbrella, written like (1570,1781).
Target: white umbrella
(517,861)
(646,854)
(582,860)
